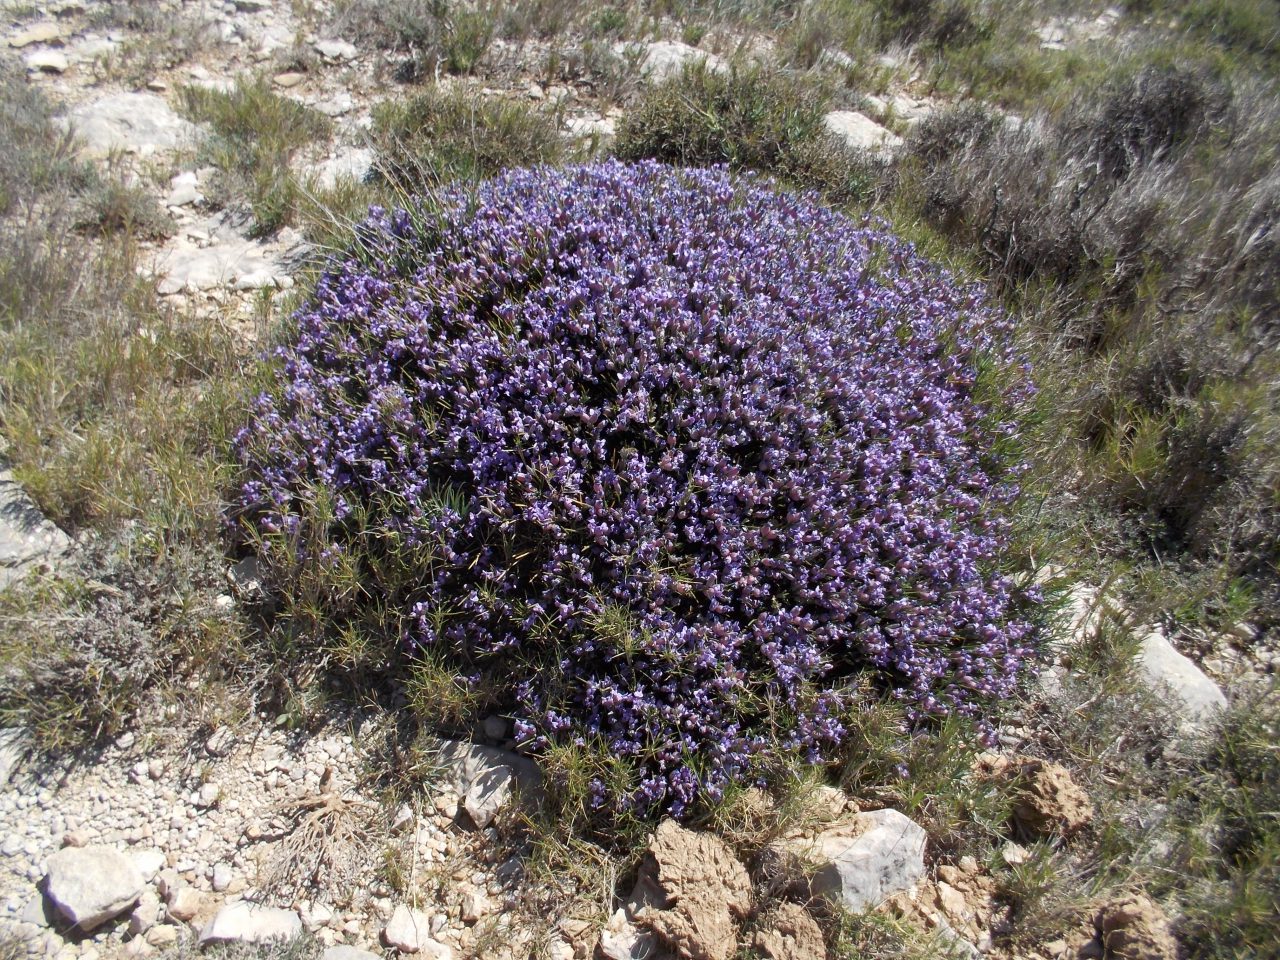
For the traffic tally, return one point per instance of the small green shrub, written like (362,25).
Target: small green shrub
(111,206)
(34,155)
(1228,857)
(747,118)
(256,133)
(81,650)
(156,39)
(439,136)
(939,23)
(431,34)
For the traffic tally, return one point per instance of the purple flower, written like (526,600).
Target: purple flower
(678,457)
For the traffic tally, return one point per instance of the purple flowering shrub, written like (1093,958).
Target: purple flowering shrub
(675,458)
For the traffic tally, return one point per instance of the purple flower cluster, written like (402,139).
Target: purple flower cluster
(682,458)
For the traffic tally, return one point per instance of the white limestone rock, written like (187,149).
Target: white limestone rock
(90,885)
(860,132)
(140,123)
(244,922)
(1194,698)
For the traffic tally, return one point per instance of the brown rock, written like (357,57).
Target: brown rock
(790,934)
(952,901)
(704,891)
(1049,801)
(964,903)
(1135,928)
(185,903)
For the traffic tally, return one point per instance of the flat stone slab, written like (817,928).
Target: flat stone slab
(243,922)
(90,885)
(26,536)
(140,123)
(860,132)
(212,254)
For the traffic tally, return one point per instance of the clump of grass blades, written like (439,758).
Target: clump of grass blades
(1227,861)
(1162,280)
(750,119)
(256,133)
(432,34)
(439,136)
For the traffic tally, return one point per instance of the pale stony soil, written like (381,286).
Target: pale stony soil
(232,816)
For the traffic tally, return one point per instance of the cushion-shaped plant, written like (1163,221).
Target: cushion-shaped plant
(666,459)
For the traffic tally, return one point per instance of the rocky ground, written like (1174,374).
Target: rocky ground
(150,844)
(252,831)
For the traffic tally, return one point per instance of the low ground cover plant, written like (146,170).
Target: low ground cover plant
(658,461)
(748,118)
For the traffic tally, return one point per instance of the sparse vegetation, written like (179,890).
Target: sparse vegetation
(750,119)
(436,137)
(1120,198)
(256,133)
(431,35)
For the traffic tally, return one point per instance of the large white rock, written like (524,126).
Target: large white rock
(250,923)
(46,31)
(863,861)
(344,952)
(353,164)
(486,776)
(1195,698)
(621,939)
(666,59)
(148,862)
(860,132)
(25,535)
(409,931)
(90,885)
(139,123)
(336,50)
(47,61)
(488,794)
